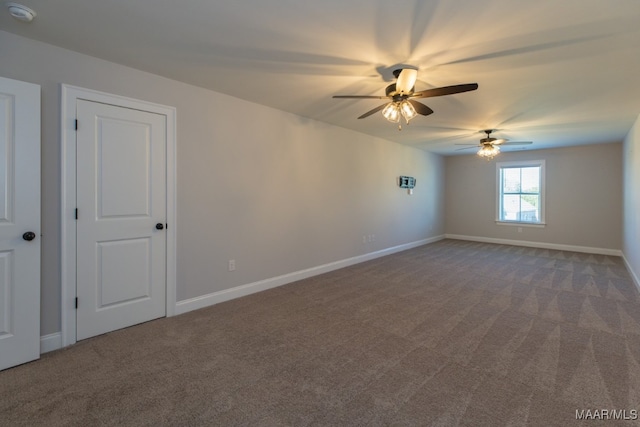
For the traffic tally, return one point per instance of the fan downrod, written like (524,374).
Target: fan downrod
(488,139)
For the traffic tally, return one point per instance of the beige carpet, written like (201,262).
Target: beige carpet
(452,333)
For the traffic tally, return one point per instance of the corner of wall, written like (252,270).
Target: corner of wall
(631,202)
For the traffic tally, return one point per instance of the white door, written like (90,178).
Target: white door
(121,200)
(19,222)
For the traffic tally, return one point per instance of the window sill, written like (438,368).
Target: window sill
(522,224)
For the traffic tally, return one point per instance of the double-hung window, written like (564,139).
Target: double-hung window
(520,192)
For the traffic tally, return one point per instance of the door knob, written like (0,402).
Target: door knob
(29,236)
(159,226)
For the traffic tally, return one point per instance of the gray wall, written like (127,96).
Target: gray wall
(631,239)
(583,197)
(276,192)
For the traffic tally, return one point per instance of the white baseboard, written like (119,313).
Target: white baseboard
(632,273)
(262,285)
(50,342)
(541,245)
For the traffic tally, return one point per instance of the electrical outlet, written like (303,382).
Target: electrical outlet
(232,265)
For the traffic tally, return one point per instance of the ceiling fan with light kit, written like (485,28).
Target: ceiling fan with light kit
(490,146)
(401,94)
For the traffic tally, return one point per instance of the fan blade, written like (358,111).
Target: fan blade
(406,80)
(446,90)
(518,143)
(370,112)
(466,148)
(361,96)
(475,145)
(421,108)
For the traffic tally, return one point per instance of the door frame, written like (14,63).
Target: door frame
(70,96)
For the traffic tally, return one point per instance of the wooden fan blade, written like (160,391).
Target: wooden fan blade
(446,90)
(360,96)
(370,112)
(466,148)
(421,108)
(518,143)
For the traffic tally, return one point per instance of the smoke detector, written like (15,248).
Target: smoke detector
(20,12)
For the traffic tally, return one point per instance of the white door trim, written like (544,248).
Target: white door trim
(70,94)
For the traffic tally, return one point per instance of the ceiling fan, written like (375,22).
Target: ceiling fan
(489,146)
(401,93)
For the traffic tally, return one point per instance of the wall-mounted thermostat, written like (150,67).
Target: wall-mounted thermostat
(407,182)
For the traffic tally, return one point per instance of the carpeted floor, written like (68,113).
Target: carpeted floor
(452,333)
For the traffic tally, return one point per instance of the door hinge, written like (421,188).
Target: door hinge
(76,213)
(76,124)
(76,303)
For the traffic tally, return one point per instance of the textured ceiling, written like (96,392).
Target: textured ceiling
(556,73)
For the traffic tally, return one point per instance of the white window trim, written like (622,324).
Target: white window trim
(522,224)
(522,164)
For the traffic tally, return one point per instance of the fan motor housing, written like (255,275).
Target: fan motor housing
(391,92)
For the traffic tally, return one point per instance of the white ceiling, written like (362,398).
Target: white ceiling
(553,72)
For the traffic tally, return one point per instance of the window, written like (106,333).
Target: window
(521,192)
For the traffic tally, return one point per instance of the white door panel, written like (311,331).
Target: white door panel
(6,293)
(124,181)
(121,196)
(19,213)
(124,268)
